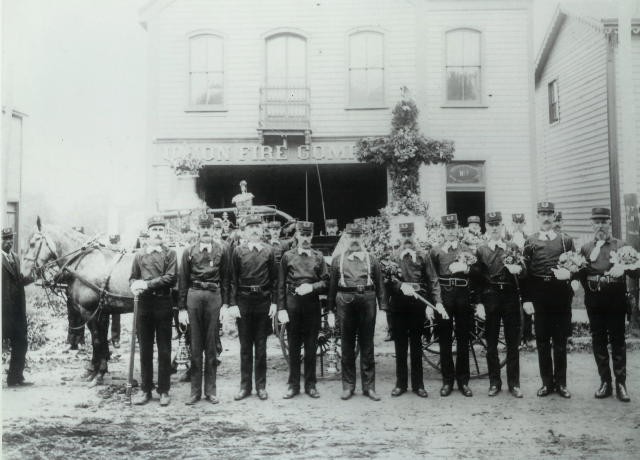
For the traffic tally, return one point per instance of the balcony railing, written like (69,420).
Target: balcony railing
(284,109)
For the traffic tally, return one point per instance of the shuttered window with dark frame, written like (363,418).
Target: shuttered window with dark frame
(554,108)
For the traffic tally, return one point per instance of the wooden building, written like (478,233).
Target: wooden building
(279,92)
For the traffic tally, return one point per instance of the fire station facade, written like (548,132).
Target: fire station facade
(278,93)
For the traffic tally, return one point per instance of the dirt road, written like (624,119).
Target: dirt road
(62,417)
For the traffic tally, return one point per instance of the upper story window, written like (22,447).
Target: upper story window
(366,69)
(554,108)
(206,70)
(286,61)
(463,66)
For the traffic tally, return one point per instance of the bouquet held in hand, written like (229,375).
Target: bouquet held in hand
(572,261)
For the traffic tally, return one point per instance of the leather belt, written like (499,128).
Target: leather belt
(254,289)
(360,288)
(501,286)
(595,283)
(454,282)
(159,292)
(205,285)
(550,278)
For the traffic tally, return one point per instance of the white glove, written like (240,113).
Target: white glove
(480,311)
(458,267)
(331,320)
(283,316)
(273,308)
(514,269)
(528,308)
(575,285)
(183,317)
(440,309)
(233,312)
(430,315)
(139,286)
(407,289)
(561,274)
(616,271)
(304,289)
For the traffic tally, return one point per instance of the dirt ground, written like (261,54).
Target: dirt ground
(63,417)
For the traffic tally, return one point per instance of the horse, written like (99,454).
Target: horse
(97,279)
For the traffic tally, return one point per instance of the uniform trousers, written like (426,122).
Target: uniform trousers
(304,325)
(154,323)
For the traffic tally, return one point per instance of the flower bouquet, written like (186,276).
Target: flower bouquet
(572,261)
(625,258)
(463,262)
(513,260)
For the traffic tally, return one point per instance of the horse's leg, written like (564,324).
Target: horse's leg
(103,329)
(92,324)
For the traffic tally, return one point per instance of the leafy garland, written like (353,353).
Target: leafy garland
(404,151)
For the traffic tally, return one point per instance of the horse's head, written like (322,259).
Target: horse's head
(40,251)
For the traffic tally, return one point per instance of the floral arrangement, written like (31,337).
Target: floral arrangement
(513,256)
(391,271)
(572,261)
(405,150)
(466,258)
(186,165)
(626,256)
(471,239)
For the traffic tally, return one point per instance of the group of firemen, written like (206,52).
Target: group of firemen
(252,279)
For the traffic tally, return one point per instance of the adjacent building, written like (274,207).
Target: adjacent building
(278,93)
(587,145)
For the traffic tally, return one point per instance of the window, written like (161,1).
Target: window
(366,69)
(206,70)
(286,61)
(554,108)
(463,66)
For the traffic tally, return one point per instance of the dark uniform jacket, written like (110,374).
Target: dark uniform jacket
(204,266)
(158,268)
(296,269)
(420,271)
(442,258)
(542,255)
(13,299)
(250,267)
(490,266)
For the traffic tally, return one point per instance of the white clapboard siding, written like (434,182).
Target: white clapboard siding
(499,133)
(244,25)
(572,154)
(635,66)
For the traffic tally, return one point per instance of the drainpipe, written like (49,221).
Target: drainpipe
(614,177)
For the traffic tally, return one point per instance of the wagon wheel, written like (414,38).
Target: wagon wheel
(477,348)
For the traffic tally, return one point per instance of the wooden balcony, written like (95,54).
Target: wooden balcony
(284,111)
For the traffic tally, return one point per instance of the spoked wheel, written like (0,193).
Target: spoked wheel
(477,348)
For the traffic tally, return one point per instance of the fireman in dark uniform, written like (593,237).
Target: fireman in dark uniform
(203,283)
(407,314)
(302,276)
(548,293)
(457,294)
(498,291)
(518,236)
(14,313)
(279,245)
(253,292)
(153,275)
(605,300)
(356,284)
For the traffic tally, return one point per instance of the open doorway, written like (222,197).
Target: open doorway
(466,204)
(350,190)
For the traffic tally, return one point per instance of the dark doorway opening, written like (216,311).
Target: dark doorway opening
(350,190)
(466,204)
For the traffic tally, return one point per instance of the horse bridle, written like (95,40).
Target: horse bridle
(40,270)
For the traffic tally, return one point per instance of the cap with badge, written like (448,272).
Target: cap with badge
(406,228)
(205,220)
(517,218)
(7,233)
(252,219)
(494,217)
(156,220)
(546,206)
(450,220)
(304,228)
(473,220)
(601,213)
(354,229)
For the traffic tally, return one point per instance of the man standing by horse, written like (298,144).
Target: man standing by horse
(254,280)
(14,315)
(202,284)
(153,275)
